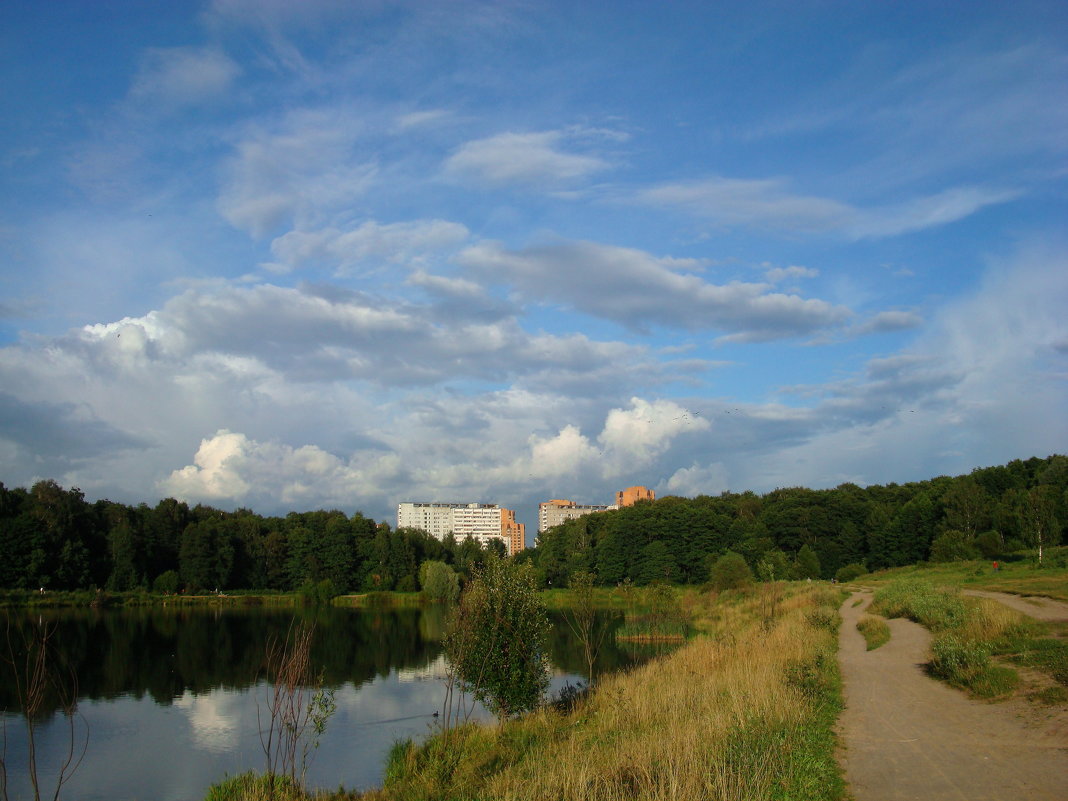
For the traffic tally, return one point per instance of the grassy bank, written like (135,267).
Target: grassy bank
(1019,575)
(970,632)
(746,711)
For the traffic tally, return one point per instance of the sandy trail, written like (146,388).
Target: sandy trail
(907,736)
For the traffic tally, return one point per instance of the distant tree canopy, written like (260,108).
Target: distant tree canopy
(801,533)
(52,537)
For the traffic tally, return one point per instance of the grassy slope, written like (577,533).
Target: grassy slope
(745,711)
(1018,577)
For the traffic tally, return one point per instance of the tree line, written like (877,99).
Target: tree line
(52,538)
(804,533)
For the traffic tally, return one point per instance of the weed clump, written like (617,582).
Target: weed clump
(876,632)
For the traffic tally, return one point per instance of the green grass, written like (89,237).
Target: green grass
(876,632)
(747,711)
(650,628)
(1019,575)
(1039,646)
(968,632)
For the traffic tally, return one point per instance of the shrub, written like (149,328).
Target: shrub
(990,545)
(439,581)
(952,546)
(730,572)
(497,638)
(321,593)
(958,659)
(167,582)
(850,572)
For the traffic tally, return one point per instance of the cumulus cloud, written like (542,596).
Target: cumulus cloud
(231,467)
(697,479)
(638,290)
(636,436)
(521,158)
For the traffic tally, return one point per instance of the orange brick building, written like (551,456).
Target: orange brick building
(515,534)
(631,495)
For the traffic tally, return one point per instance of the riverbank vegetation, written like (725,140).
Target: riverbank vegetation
(746,710)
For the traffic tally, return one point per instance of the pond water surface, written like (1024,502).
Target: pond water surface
(172,700)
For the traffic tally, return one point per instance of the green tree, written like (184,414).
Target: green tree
(1038,521)
(952,546)
(656,563)
(206,555)
(967,506)
(807,564)
(581,617)
(497,638)
(439,581)
(729,572)
(773,566)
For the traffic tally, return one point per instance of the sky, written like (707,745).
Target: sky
(289,256)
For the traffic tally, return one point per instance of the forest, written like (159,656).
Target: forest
(799,533)
(52,538)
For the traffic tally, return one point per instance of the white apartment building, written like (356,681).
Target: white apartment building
(481,521)
(554,512)
(557,511)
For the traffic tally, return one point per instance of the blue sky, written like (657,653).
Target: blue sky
(330,254)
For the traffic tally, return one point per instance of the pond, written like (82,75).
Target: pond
(171,700)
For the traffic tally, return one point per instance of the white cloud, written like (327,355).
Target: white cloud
(299,173)
(927,212)
(887,321)
(370,244)
(418,119)
(233,468)
(697,480)
(762,203)
(635,437)
(768,204)
(521,158)
(180,76)
(779,274)
(638,290)
(563,455)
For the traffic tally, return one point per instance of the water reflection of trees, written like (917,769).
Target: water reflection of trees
(164,653)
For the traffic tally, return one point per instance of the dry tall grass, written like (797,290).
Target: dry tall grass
(743,713)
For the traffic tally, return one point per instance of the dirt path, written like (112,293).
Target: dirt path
(907,736)
(1031,605)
